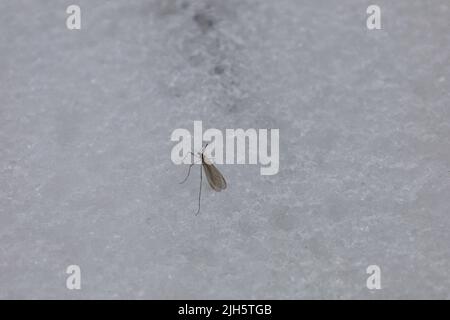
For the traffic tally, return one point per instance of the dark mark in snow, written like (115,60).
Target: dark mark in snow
(219,69)
(203,21)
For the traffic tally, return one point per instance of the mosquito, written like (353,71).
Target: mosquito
(213,175)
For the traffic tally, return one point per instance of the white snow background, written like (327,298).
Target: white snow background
(86,176)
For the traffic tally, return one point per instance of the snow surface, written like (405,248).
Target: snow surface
(85,170)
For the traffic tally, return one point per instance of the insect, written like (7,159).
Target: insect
(213,175)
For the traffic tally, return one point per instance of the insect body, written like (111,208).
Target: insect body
(213,175)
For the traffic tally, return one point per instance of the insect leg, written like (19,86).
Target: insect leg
(190,166)
(200,190)
(189,172)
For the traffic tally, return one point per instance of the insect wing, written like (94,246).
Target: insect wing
(215,178)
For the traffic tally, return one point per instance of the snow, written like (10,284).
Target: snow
(86,175)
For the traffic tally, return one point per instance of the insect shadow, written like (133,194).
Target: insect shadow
(213,175)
